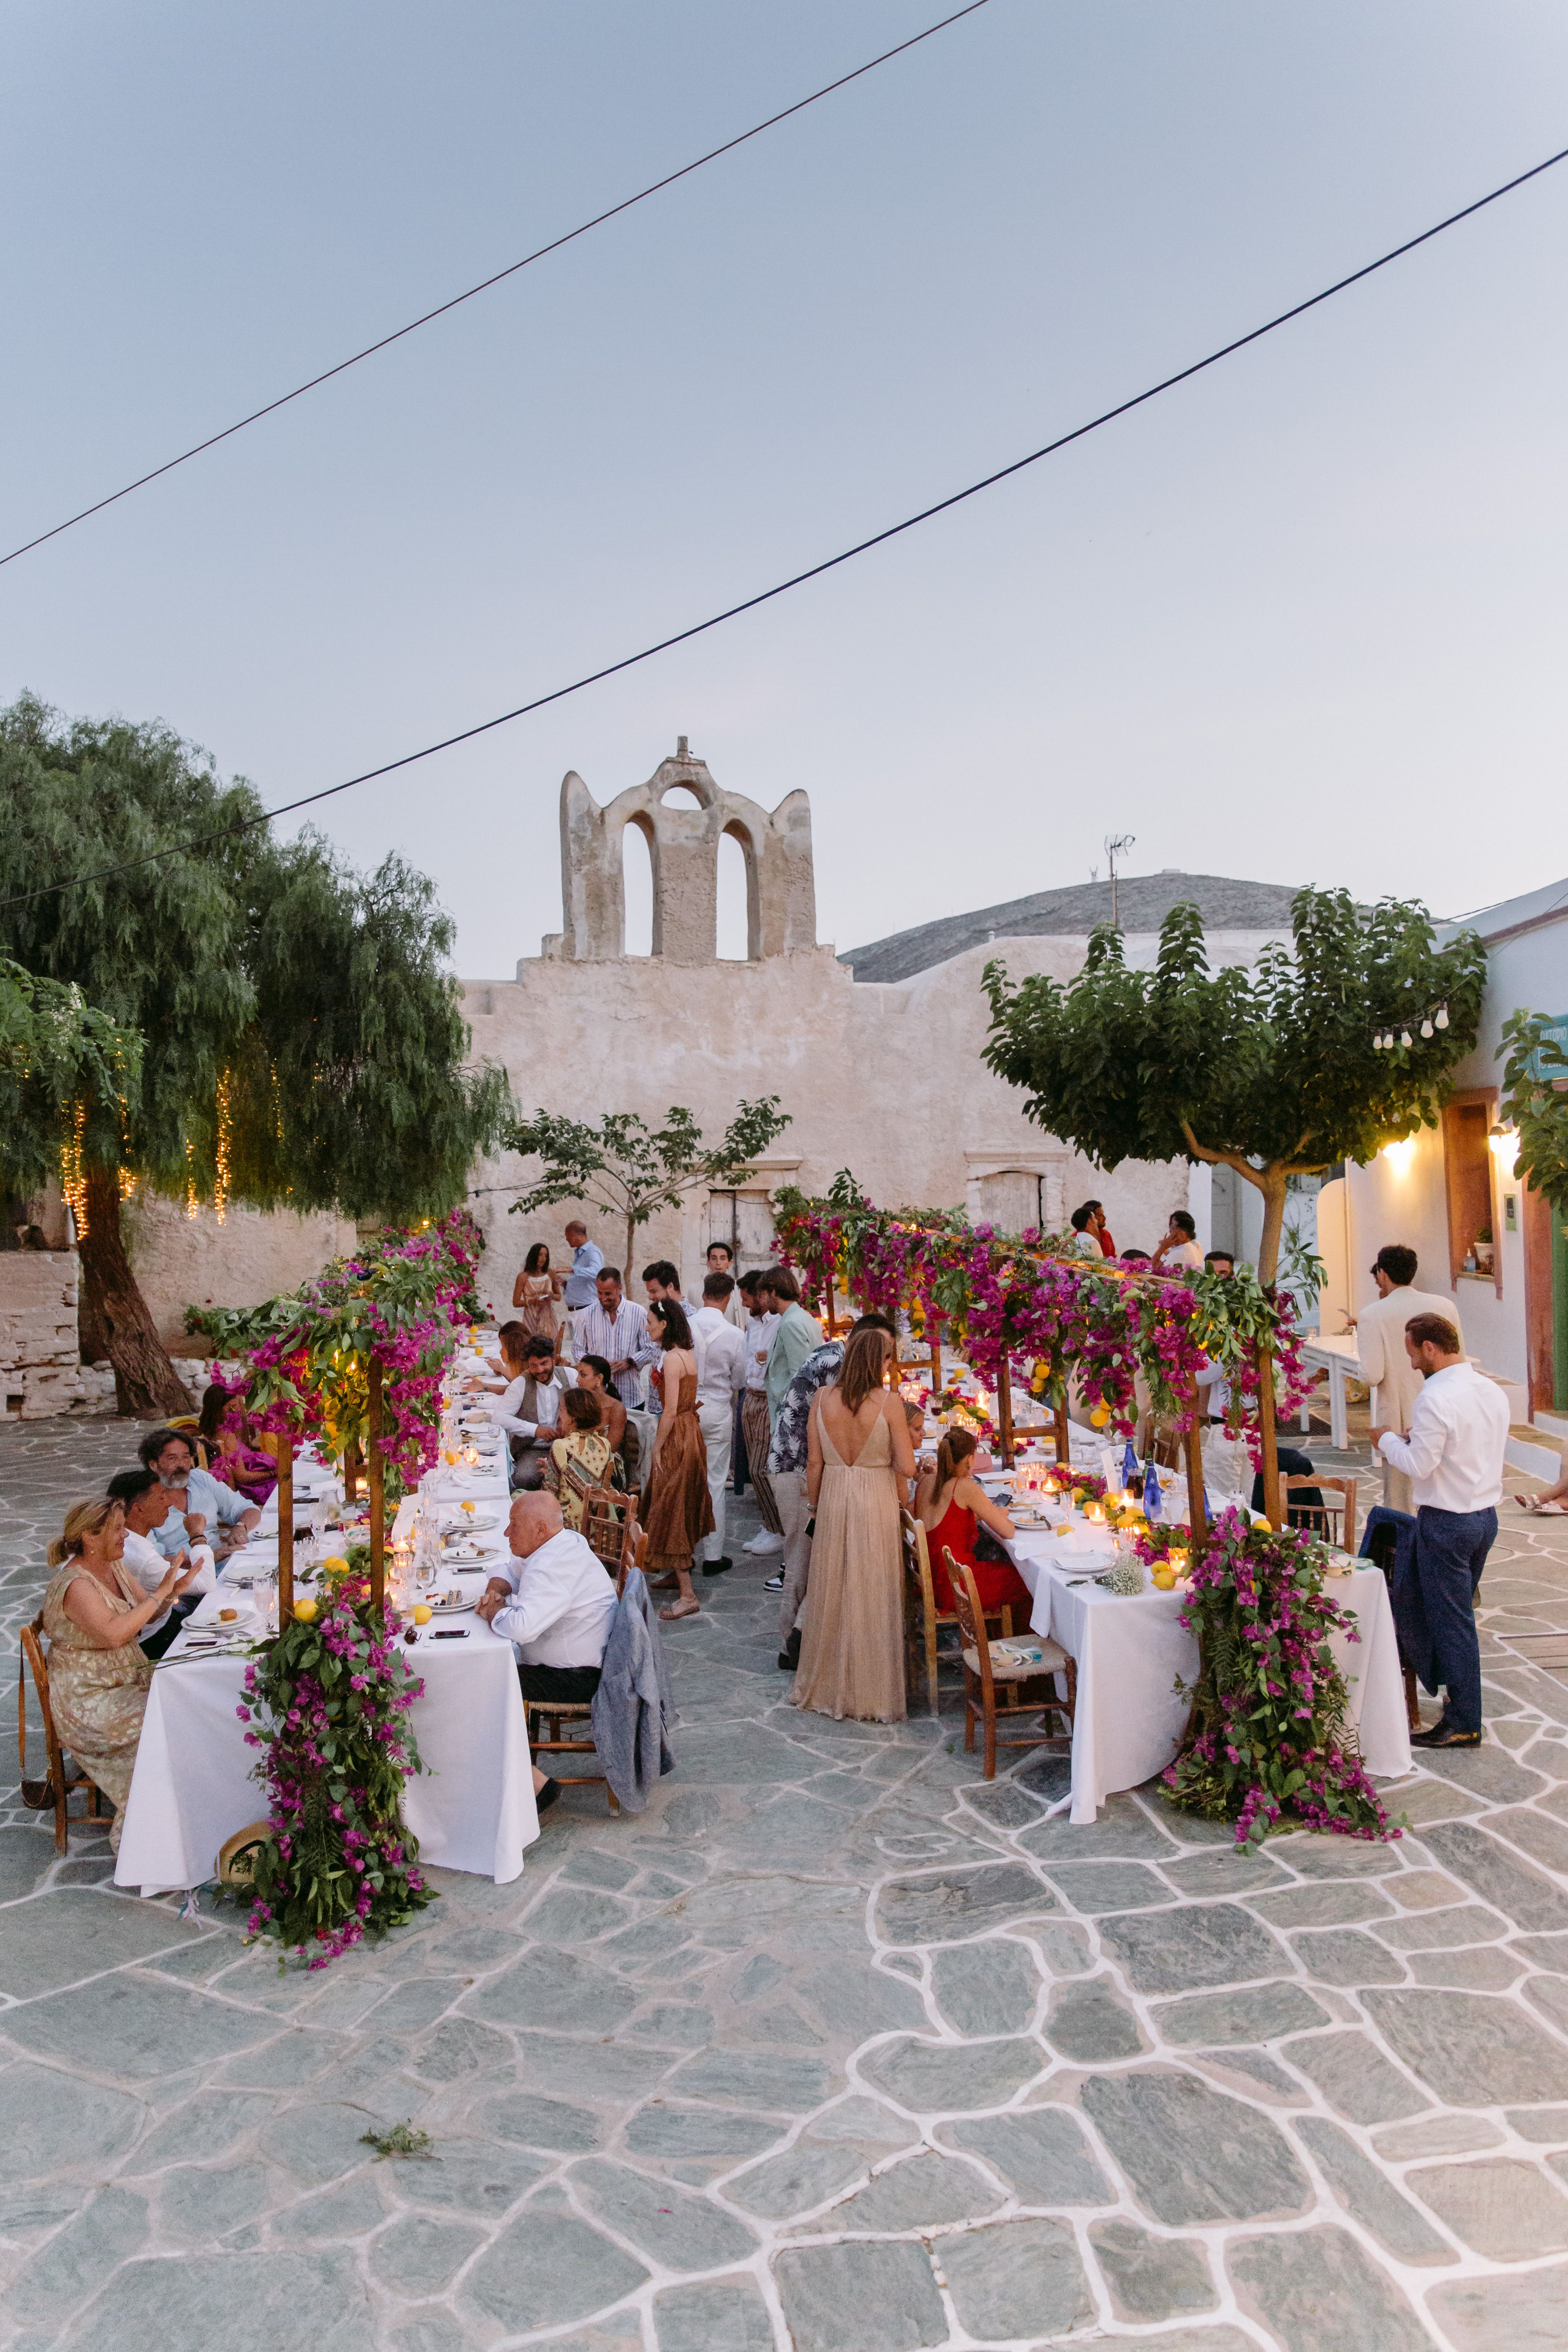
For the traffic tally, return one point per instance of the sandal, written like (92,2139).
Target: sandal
(681,1608)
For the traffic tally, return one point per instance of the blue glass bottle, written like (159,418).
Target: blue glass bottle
(1129,1468)
(1151,1502)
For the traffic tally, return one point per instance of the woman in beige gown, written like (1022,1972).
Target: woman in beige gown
(93,1611)
(858,1462)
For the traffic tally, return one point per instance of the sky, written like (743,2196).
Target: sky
(1301,620)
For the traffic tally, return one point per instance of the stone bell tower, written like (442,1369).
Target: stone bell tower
(683,849)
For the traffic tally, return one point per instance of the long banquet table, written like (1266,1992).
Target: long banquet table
(472,1806)
(1130,1652)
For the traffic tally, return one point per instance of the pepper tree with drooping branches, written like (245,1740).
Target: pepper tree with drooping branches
(57,1052)
(629,1171)
(303,1044)
(1271,1071)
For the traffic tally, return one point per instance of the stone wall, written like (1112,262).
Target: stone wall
(182,1261)
(40,1368)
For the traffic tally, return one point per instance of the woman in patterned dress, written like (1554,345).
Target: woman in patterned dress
(679,1508)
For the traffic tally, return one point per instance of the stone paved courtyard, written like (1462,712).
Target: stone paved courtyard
(836,2046)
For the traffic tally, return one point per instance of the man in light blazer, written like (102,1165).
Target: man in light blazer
(1384,1363)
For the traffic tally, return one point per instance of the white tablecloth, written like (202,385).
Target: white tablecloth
(471,1808)
(1129,1721)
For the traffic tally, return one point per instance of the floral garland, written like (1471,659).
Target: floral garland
(1269,1733)
(328,1700)
(397,1302)
(1068,1317)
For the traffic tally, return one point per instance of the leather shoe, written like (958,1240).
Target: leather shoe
(716,1567)
(789,1656)
(1444,1735)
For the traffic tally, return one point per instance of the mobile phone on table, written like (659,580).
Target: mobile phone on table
(451,1633)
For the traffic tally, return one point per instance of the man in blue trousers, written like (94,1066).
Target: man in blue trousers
(1454,1460)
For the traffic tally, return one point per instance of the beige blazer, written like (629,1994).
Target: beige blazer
(1380,1343)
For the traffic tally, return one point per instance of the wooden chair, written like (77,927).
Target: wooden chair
(922,1615)
(1315,1517)
(982,1674)
(610,1527)
(56,1790)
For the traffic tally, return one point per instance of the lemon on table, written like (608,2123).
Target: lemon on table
(422,1615)
(304,1611)
(334,1566)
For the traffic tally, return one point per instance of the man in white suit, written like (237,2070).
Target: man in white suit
(1384,1363)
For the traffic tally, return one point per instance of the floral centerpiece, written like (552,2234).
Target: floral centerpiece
(1270,1737)
(327,1700)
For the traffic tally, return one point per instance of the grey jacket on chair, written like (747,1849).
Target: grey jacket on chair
(634,1703)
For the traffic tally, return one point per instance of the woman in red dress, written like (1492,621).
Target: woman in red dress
(951,1505)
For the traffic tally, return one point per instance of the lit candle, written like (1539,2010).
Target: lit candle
(1096,1513)
(1178,1560)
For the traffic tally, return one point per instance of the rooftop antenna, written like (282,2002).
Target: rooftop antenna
(1115,845)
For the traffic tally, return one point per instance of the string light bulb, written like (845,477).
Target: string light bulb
(1442,1016)
(1426,1026)
(1404,1036)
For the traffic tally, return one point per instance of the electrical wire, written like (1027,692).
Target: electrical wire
(485,284)
(815,571)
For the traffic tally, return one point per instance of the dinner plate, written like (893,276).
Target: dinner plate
(478,1525)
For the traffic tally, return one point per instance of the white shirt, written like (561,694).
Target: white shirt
(759,1336)
(146,1564)
(1454,1453)
(1218,1387)
(1185,1253)
(736,1310)
(506,1411)
(720,1358)
(563,1607)
(1380,1344)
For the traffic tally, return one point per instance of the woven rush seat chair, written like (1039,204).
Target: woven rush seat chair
(611,1530)
(983,1675)
(922,1615)
(1318,1519)
(56,1790)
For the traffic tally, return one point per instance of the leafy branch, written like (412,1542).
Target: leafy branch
(629,1171)
(1535,1098)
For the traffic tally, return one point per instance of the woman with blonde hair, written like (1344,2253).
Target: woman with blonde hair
(952,1506)
(859,1461)
(93,1611)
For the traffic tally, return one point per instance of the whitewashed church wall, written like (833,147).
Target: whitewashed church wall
(180,1260)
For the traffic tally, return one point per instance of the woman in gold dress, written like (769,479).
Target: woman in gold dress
(93,1611)
(679,1509)
(580,1458)
(858,1462)
(536,1295)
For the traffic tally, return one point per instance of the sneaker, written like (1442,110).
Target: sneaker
(773,1583)
(764,1543)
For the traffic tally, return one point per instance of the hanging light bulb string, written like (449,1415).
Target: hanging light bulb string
(1385,1038)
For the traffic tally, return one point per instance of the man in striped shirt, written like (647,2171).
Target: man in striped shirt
(615,1328)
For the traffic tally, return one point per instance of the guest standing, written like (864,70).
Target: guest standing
(98,1675)
(859,1460)
(757,1427)
(679,1513)
(796,1335)
(721,1260)
(1384,1363)
(953,1507)
(720,1373)
(587,1263)
(616,1327)
(788,1461)
(537,1295)
(1454,1460)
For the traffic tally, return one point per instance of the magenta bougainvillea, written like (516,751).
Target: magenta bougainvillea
(1270,1738)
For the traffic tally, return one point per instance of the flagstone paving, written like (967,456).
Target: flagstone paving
(834,2047)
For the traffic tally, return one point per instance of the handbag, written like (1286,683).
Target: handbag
(988,1549)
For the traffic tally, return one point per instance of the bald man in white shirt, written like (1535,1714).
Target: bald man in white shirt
(554,1602)
(1384,1364)
(1454,1460)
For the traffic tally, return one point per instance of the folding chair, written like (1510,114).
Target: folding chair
(55,1790)
(982,1674)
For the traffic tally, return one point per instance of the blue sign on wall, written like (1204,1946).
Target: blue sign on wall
(1557,1031)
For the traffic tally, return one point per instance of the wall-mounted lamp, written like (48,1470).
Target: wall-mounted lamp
(1398,1154)
(1504,1144)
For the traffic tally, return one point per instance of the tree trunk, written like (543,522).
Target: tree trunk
(114,1314)
(1273,1186)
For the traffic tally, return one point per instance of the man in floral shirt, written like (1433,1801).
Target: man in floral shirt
(786,1474)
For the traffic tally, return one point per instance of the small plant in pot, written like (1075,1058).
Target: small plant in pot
(1483,1248)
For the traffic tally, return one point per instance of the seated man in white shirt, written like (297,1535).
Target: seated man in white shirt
(147,1504)
(720,1377)
(560,1618)
(1454,1460)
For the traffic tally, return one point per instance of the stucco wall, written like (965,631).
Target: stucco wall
(886,1079)
(182,1261)
(40,1369)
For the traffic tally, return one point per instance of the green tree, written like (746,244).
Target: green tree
(57,1052)
(629,1171)
(1535,1098)
(302,1038)
(1272,1071)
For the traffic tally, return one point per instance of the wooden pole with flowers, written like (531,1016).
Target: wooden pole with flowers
(377,1480)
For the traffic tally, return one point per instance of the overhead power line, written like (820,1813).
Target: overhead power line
(815,571)
(485,284)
